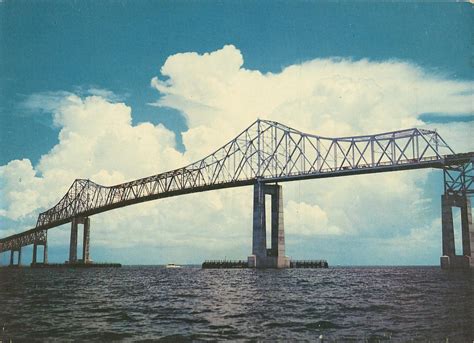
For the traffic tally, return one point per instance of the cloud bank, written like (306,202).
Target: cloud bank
(220,97)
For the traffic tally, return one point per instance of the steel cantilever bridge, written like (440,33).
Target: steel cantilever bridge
(265,153)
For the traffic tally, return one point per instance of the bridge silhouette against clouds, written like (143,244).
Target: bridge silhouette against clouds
(263,155)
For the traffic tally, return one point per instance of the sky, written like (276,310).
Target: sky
(117,90)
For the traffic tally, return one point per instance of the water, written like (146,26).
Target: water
(150,303)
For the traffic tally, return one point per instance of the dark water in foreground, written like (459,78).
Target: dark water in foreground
(149,303)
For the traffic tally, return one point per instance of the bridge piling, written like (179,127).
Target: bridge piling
(261,256)
(450,260)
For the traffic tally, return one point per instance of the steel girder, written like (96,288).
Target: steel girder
(266,151)
(459,176)
(22,240)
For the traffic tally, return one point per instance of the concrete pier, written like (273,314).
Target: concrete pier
(73,242)
(43,243)
(35,251)
(86,239)
(450,260)
(261,256)
(12,257)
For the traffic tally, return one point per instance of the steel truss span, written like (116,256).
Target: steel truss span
(266,151)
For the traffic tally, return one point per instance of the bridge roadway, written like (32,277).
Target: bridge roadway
(266,152)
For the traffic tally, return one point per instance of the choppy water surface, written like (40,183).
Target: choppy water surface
(150,303)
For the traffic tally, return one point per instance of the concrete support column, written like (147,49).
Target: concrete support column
(467,229)
(12,254)
(447,226)
(85,245)
(45,252)
(35,252)
(73,242)
(35,249)
(19,256)
(450,259)
(278,227)
(275,256)
(259,239)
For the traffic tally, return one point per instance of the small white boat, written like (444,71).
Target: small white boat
(172,265)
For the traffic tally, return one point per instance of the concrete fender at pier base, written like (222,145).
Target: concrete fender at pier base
(252,261)
(456,262)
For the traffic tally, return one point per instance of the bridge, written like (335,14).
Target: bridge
(263,155)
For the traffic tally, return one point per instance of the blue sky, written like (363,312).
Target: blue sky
(119,46)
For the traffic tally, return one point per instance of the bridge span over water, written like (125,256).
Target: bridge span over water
(263,155)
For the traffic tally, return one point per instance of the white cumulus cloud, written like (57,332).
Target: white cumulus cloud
(305,219)
(326,96)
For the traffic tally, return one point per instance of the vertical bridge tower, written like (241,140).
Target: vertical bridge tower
(261,256)
(458,186)
(85,221)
